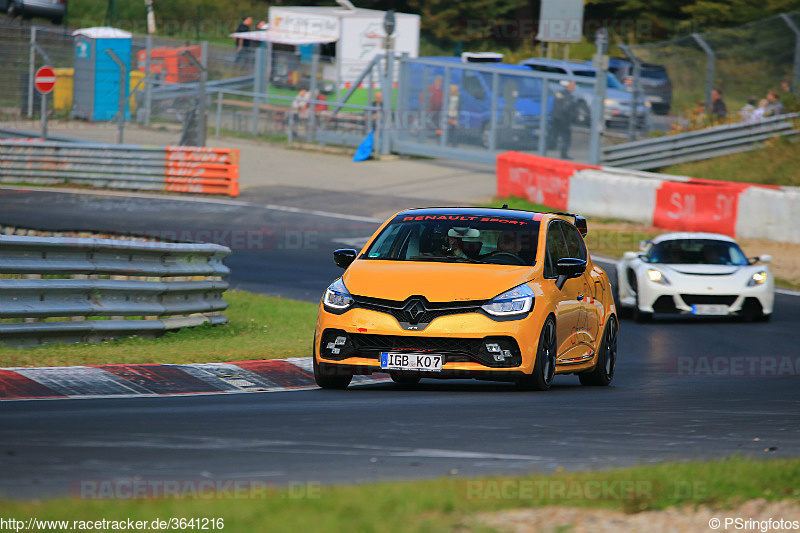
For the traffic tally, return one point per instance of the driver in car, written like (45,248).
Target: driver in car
(462,242)
(509,243)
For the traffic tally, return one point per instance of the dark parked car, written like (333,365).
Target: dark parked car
(655,82)
(53,10)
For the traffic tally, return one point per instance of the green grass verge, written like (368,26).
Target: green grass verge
(776,164)
(448,504)
(259,327)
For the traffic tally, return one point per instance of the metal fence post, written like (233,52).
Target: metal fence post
(122,99)
(401,112)
(542,148)
(369,102)
(493,117)
(257,78)
(219,113)
(442,125)
(598,104)
(387,102)
(268,73)
(796,66)
(148,79)
(636,89)
(31,68)
(311,115)
(709,67)
(202,90)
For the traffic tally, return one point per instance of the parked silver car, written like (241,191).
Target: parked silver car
(654,81)
(618,101)
(53,10)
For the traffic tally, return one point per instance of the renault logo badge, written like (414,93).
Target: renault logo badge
(414,311)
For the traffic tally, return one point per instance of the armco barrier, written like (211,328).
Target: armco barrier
(106,278)
(670,202)
(170,168)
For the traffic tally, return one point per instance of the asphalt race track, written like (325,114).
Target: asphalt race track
(683,389)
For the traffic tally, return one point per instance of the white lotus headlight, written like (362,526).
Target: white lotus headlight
(517,301)
(758,278)
(657,277)
(337,297)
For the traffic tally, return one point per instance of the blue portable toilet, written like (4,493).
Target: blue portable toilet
(97,77)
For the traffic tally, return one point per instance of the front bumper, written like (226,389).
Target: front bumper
(460,338)
(751,301)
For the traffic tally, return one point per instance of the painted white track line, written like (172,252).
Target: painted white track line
(217,201)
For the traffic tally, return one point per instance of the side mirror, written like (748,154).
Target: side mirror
(580,223)
(344,257)
(569,267)
(765,258)
(643,245)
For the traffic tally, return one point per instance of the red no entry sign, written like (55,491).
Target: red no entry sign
(45,80)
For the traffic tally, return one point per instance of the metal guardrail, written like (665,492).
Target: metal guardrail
(81,278)
(165,91)
(697,145)
(170,168)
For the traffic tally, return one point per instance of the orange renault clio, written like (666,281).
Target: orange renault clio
(495,294)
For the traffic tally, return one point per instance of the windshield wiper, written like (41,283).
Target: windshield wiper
(447,259)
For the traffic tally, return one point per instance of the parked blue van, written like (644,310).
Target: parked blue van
(518,100)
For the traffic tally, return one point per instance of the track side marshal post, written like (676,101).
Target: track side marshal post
(45,81)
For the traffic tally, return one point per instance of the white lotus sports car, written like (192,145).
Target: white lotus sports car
(694,274)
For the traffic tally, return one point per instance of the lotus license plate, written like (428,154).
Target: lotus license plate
(423,362)
(709,309)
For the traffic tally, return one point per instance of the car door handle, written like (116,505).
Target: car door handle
(580,297)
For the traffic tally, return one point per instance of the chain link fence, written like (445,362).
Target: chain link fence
(55,47)
(748,61)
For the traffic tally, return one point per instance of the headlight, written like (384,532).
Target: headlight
(517,301)
(647,103)
(337,297)
(611,102)
(657,277)
(759,278)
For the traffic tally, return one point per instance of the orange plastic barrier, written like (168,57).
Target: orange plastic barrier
(541,180)
(170,64)
(202,170)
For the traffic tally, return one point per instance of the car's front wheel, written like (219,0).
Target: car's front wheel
(331,376)
(603,373)
(544,369)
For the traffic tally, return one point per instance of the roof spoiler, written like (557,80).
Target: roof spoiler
(579,221)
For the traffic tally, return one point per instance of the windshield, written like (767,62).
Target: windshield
(458,238)
(611,80)
(697,251)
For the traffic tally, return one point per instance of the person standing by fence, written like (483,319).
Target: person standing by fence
(719,111)
(243,45)
(563,115)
